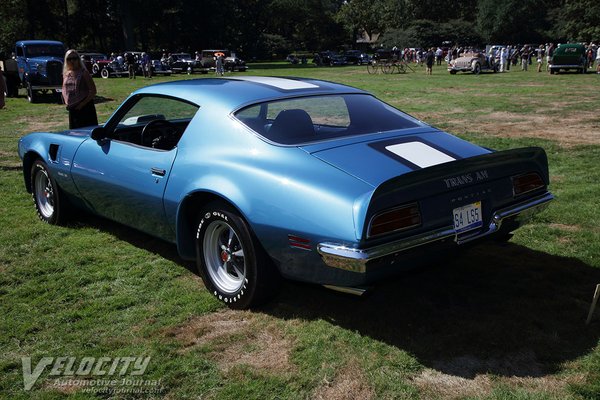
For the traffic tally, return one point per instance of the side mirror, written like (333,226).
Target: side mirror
(98,133)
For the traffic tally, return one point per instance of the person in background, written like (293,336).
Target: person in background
(598,61)
(78,92)
(549,54)
(503,59)
(146,65)
(524,58)
(219,65)
(2,89)
(540,57)
(439,54)
(429,57)
(131,65)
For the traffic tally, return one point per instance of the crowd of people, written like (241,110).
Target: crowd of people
(504,56)
(131,61)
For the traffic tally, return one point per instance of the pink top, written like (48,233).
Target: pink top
(77,86)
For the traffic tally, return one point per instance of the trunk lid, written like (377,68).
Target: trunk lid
(394,154)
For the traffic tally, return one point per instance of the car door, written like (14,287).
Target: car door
(123,177)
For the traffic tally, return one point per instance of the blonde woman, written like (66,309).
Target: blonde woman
(78,92)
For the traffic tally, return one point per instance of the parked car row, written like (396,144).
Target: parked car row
(331,58)
(204,61)
(101,65)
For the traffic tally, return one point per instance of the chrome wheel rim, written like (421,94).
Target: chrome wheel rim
(44,194)
(224,257)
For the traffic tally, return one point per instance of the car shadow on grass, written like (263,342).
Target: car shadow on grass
(500,309)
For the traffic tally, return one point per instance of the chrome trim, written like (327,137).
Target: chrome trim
(353,259)
(566,66)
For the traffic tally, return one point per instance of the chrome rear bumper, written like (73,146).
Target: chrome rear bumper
(354,259)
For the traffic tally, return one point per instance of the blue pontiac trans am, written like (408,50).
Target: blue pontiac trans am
(258,178)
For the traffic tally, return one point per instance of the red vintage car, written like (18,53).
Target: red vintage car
(99,64)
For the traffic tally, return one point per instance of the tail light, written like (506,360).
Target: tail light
(394,220)
(526,183)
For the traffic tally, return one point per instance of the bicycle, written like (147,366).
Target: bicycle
(373,67)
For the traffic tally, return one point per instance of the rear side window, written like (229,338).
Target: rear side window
(316,118)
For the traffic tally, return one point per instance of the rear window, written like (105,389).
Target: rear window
(316,118)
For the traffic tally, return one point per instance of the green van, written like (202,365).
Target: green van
(568,56)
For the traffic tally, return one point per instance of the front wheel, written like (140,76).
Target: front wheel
(232,263)
(47,198)
(371,68)
(31,94)
(105,73)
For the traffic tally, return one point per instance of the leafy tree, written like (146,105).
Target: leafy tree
(577,21)
(511,21)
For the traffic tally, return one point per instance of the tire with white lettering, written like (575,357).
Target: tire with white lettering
(231,261)
(50,204)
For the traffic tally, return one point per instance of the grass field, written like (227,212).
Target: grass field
(497,322)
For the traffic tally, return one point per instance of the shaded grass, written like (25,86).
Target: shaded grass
(496,314)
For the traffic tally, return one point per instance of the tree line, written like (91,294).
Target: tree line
(267,28)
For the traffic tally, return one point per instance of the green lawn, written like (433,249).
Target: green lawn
(495,322)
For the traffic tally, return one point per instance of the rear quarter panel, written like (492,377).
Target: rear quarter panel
(279,190)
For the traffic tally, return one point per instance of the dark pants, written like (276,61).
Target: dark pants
(84,117)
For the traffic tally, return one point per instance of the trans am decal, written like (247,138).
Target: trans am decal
(419,154)
(415,153)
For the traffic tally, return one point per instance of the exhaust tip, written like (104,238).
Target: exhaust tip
(356,291)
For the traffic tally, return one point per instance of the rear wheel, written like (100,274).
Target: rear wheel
(232,263)
(371,68)
(105,73)
(477,68)
(48,200)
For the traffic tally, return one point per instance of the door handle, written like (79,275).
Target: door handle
(158,171)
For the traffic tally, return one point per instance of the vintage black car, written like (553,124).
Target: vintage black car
(184,63)
(160,68)
(329,58)
(356,57)
(231,62)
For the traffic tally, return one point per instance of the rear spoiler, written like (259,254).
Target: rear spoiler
(489,166)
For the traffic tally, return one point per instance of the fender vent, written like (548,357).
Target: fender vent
(53,152)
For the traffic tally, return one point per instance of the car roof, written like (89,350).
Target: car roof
(28,42)
(235,92)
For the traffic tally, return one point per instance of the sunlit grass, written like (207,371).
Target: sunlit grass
(497,322)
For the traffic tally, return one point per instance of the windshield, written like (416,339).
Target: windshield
(45,50)
(316,118)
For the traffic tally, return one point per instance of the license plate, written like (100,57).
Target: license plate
(467,217)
